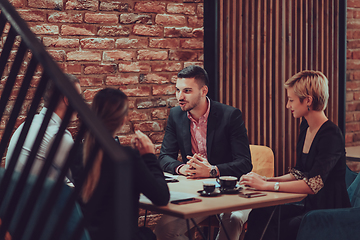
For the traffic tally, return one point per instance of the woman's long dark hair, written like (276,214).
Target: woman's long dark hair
(111,106)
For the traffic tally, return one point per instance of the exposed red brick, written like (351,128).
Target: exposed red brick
(195,21)
(91,5)
(356,75)
(147,30)
(84,56)
(354,54)
(166,67)
(178,32)
(150,103)
(352,106)
(131,43)
(173,79)
(44,28)
(152,55)
(160,113)
(356,96)
(353,3)
(138,91)
(90,93)
(201,64)
(149,126)
(114,31)
(154,78)
(50,4)
(61,42)
(68,30)
(125,139)
(353,64)
(349,137)
(200,10)
(349,117)
(163,90)
(65,17)
(352,85)
(157,137)
(201,57)
(349,96)
(134,67)
(91,81)
(352,127)
(136,115)
(114,6)
(97,43)
(357,116)
(180,8)
(126,128)
(170,20)
(349,13)
(101,18)
(153,7)
(351,44)
(349,54)
(182,55)
(32,15)
(164,43)
(116,55)
(121,79)
(73,68)
(192,43)
(17,3)
(198,32)
(58,55)
(128,18)
(99,68)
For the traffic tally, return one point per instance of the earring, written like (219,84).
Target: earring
(308,108)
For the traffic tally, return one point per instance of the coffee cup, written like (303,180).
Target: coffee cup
(227,182)
(209,187)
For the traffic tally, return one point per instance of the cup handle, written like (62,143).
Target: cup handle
(218,181)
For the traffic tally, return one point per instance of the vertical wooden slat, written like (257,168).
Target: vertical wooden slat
(261,44)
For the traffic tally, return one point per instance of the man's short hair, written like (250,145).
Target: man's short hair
(310,83)
(196,72)
(51,87)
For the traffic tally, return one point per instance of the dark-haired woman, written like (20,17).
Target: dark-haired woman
(98,193)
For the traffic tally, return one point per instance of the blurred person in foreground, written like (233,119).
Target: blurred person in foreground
(320,166)
(99,191)
(50,133)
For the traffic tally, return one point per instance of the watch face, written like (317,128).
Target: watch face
(213,172)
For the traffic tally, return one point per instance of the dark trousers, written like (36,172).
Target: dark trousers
(290,219)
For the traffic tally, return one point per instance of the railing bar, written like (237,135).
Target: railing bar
(5,53)
(45,213)
(20,185)
(11,79)
(38,186)
(17,106)
(3,22)
(79,230)
(71,200)
(13,160)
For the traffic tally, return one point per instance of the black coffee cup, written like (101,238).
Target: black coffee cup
(227,182)
(209,187)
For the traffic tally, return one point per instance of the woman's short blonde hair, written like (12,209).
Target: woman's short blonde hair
(310,83)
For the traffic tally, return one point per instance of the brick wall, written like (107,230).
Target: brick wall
(135,45)
(352,136)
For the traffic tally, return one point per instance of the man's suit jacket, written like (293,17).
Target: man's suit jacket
(227,143)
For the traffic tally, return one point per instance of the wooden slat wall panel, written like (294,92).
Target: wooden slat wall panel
(261,44)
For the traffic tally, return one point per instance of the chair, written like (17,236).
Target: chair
(334,224)
(262,158)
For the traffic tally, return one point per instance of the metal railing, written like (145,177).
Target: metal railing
(29,55)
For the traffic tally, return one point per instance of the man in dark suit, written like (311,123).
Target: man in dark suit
(212,140)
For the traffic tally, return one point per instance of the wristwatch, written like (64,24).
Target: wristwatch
(276,186)
(213,171)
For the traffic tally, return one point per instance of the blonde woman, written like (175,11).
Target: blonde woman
(320,166)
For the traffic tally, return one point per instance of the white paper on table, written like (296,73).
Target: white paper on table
(173,196)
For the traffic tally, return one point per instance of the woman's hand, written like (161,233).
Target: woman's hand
(254,180)
(143,143)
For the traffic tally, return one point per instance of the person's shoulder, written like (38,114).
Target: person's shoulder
(330,126)
(223,109)
(176,112)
